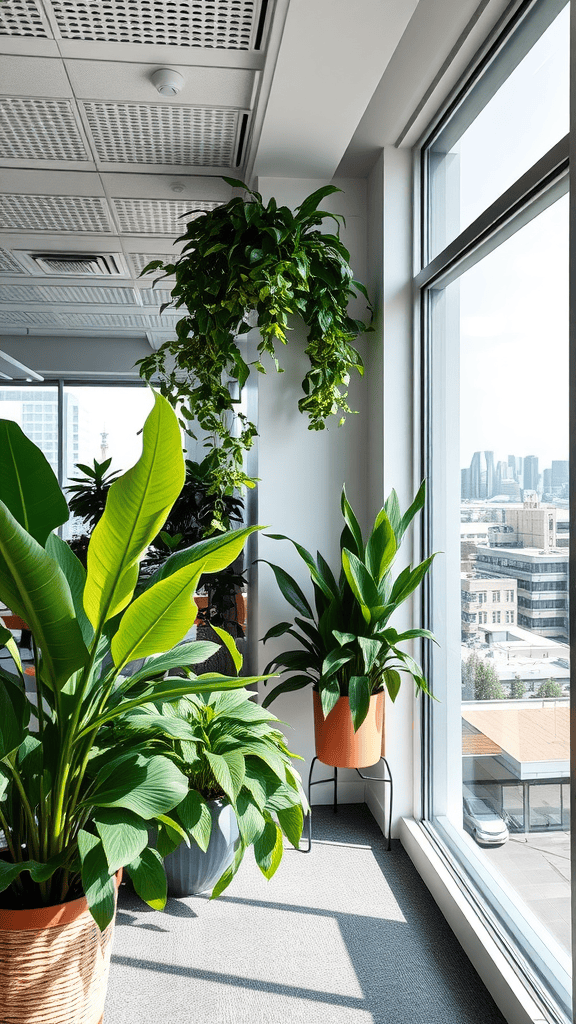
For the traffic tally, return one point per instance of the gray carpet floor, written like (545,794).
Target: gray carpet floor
(347,934)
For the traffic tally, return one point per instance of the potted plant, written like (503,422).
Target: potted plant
(243,789)
(348,651)
(246,264)
(74,808)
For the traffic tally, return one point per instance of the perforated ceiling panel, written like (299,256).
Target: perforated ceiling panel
(53,213)
(164,322)
(220,24)
(157,216)
(136,133)
(122,320)
(8,265)
(19,318)
(22,18)
(139,260)
(67,293)
(39,130)
(155,296)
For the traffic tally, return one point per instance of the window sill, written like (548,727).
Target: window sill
(505,986)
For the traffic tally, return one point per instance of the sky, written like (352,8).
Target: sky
(514,302)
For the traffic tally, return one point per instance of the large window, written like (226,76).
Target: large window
(494,312)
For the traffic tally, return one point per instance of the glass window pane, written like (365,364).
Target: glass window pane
(102,423)
(485,148)
(36,411)
(501,329)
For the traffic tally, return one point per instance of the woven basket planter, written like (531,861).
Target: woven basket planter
(54,964)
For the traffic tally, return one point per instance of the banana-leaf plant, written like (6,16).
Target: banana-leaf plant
(75,808)
(347,647)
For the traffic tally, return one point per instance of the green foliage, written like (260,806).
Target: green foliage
(234,751)
(481,679)
(549,689)
(517,688)
(245,260)
(89,492)
(347,647)
(74,807)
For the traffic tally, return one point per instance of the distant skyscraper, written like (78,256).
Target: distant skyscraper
(531,474)
(465,483)
(559,474)
(482,475)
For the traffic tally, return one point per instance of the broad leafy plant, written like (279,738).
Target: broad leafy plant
(245,264)
(237,753)
(74,807)
(89,491)
(347,647)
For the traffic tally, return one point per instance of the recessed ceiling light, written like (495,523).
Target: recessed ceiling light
(167,82)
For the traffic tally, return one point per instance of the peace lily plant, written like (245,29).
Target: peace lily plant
(75,807)
(347,646)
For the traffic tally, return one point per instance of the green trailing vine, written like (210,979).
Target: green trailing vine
(245,264)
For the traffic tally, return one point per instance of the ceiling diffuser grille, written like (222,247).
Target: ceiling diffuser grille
(137,133)
(220,24)
(126,321)
(155,296)
(53,213)
(22,18)
(157,216)
(164,322)
(39,130)
(8,264)
(68,293)
(24,319)
(139,260)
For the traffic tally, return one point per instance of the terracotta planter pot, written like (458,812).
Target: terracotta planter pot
(54,964)
(336,742)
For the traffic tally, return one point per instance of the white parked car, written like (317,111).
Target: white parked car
(483,823)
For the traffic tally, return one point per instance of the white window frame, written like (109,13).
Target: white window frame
(546,970)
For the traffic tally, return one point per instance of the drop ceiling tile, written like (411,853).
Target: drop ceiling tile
(215,24)
(127,321)
(139,260)
(39,129)
(53,213)
(162,134)
(23,18)
(157,216)
(57,294)
(120,81)
(8,265)
(155,296)
(23,319)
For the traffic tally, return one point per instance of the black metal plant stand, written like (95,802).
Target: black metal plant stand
(334,779)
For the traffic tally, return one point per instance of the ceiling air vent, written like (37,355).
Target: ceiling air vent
(76,263)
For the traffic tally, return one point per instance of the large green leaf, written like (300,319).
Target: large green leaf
(159,618)
(393,681)
(8,641)
(329,694)
(268,849)
(359,697)
(230,646)
(413,578)
(228,770)
(214,554)
(293,683)
(136,508)
(99,886)
(334,661)
(415,507)
(195,816)
(352,524)
(290,590)
(181,656)
(14,717)
(251,821)
(370,650)
(34,587)
(145,785)
(123,833)
(28,486)
(149,878)
(361,583)
(76,575)
(380,549)
(38,872)
(291,822)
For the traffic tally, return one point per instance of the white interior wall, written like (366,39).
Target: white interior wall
(301,475)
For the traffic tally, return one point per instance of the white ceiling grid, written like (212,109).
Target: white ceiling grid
(96,161)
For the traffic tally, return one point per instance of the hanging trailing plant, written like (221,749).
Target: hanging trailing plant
(244,262)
